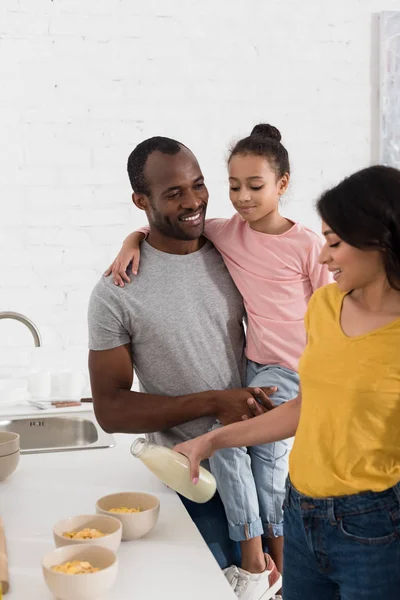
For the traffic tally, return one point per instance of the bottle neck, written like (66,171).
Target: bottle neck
(139,447)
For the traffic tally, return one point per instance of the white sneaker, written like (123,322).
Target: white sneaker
(259,586)
(232,574)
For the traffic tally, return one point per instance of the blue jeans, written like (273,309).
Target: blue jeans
(210,520)
(345,548)
(251,481)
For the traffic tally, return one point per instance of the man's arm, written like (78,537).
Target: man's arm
(119,410)
(111,374)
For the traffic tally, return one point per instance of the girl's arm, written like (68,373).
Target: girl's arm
(130,252)
(318,274)
(277,424)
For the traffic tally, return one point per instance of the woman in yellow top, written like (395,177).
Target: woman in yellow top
(342,508)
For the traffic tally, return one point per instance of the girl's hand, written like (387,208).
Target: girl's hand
(121,262)
(196,450)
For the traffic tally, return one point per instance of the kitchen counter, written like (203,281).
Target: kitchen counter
(171,562)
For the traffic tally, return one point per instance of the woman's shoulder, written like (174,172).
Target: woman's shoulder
(328,295)
(323,307)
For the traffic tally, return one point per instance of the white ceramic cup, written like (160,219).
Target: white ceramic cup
(39,384)
(67,384)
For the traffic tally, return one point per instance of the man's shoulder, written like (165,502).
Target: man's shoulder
(106,292)
(105,285)
(107,316)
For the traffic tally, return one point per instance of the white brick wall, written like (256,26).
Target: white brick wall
(83,81)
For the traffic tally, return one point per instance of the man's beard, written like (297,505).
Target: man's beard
(173,229)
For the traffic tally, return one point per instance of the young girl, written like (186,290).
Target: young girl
(274,263)
(342,506)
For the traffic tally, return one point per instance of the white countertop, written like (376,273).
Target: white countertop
(171,562)
(24,408)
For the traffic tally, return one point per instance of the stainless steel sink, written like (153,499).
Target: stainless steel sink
(57,433)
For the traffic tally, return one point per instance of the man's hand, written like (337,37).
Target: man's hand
(243,403)
(263,403)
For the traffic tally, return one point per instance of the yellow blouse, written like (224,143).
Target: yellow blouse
(348,438)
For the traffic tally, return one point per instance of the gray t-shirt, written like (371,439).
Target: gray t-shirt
(183,316)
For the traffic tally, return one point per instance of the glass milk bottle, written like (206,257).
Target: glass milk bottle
(172,469)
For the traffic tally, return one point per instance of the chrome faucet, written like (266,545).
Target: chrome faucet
(22,319)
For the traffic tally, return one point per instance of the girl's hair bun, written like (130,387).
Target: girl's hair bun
(267,131)
(265,141)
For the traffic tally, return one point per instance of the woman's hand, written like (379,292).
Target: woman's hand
(202,447)
(272,426)
(196,451)
(130,251)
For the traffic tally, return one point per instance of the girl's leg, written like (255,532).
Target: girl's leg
(270,461)
(270,466)
(270,469)
(275,550)
(231,468)
(253,557)
(258,576)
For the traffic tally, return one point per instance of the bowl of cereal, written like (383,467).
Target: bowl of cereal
(9,443)
(138,512)
(80,572)
(95,530)
(8,464)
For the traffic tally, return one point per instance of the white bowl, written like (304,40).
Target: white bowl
(90,586)
(134,525)
(106,524)
(8,464)
(9,442)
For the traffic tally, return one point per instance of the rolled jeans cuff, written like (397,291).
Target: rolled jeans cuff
(246,531)
(273,531)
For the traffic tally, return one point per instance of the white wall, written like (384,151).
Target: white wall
(85,80)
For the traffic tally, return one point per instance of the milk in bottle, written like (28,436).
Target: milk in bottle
(172,469)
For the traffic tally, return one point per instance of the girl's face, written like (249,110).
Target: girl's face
(352,268)
(254,187)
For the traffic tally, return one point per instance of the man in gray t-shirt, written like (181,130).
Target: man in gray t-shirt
(182,318)
(179,324)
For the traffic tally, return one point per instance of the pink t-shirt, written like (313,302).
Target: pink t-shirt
(276,275)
